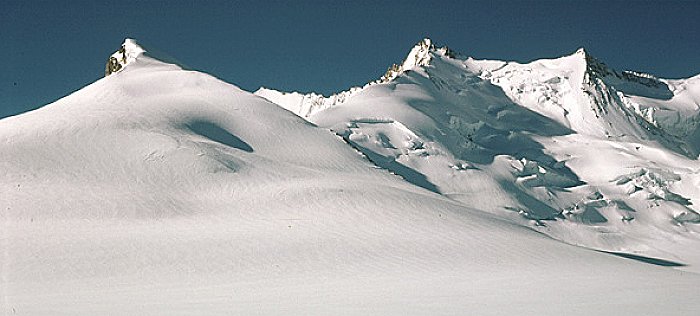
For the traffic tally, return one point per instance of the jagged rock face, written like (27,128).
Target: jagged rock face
(114,64)
(600,69)
(612,90)
(597,68)
(419,56)
(127,53)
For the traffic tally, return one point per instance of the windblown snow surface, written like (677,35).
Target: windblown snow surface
(451,186)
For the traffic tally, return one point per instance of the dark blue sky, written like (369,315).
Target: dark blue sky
(52,48)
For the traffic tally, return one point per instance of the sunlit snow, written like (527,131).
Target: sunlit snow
(457,187)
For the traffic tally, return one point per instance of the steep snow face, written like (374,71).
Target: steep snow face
(162,191)
(552,145)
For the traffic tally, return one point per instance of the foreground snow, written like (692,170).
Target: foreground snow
(160,191)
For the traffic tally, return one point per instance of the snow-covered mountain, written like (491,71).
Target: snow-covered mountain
(567,146)
(162,191)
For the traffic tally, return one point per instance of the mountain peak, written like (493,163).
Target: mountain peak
(597,68)
(417,57)
(128,53)
(594,67)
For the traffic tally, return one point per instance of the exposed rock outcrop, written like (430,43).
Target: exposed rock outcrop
(127,53)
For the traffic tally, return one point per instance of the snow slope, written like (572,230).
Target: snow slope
(161,191)
(553,145)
